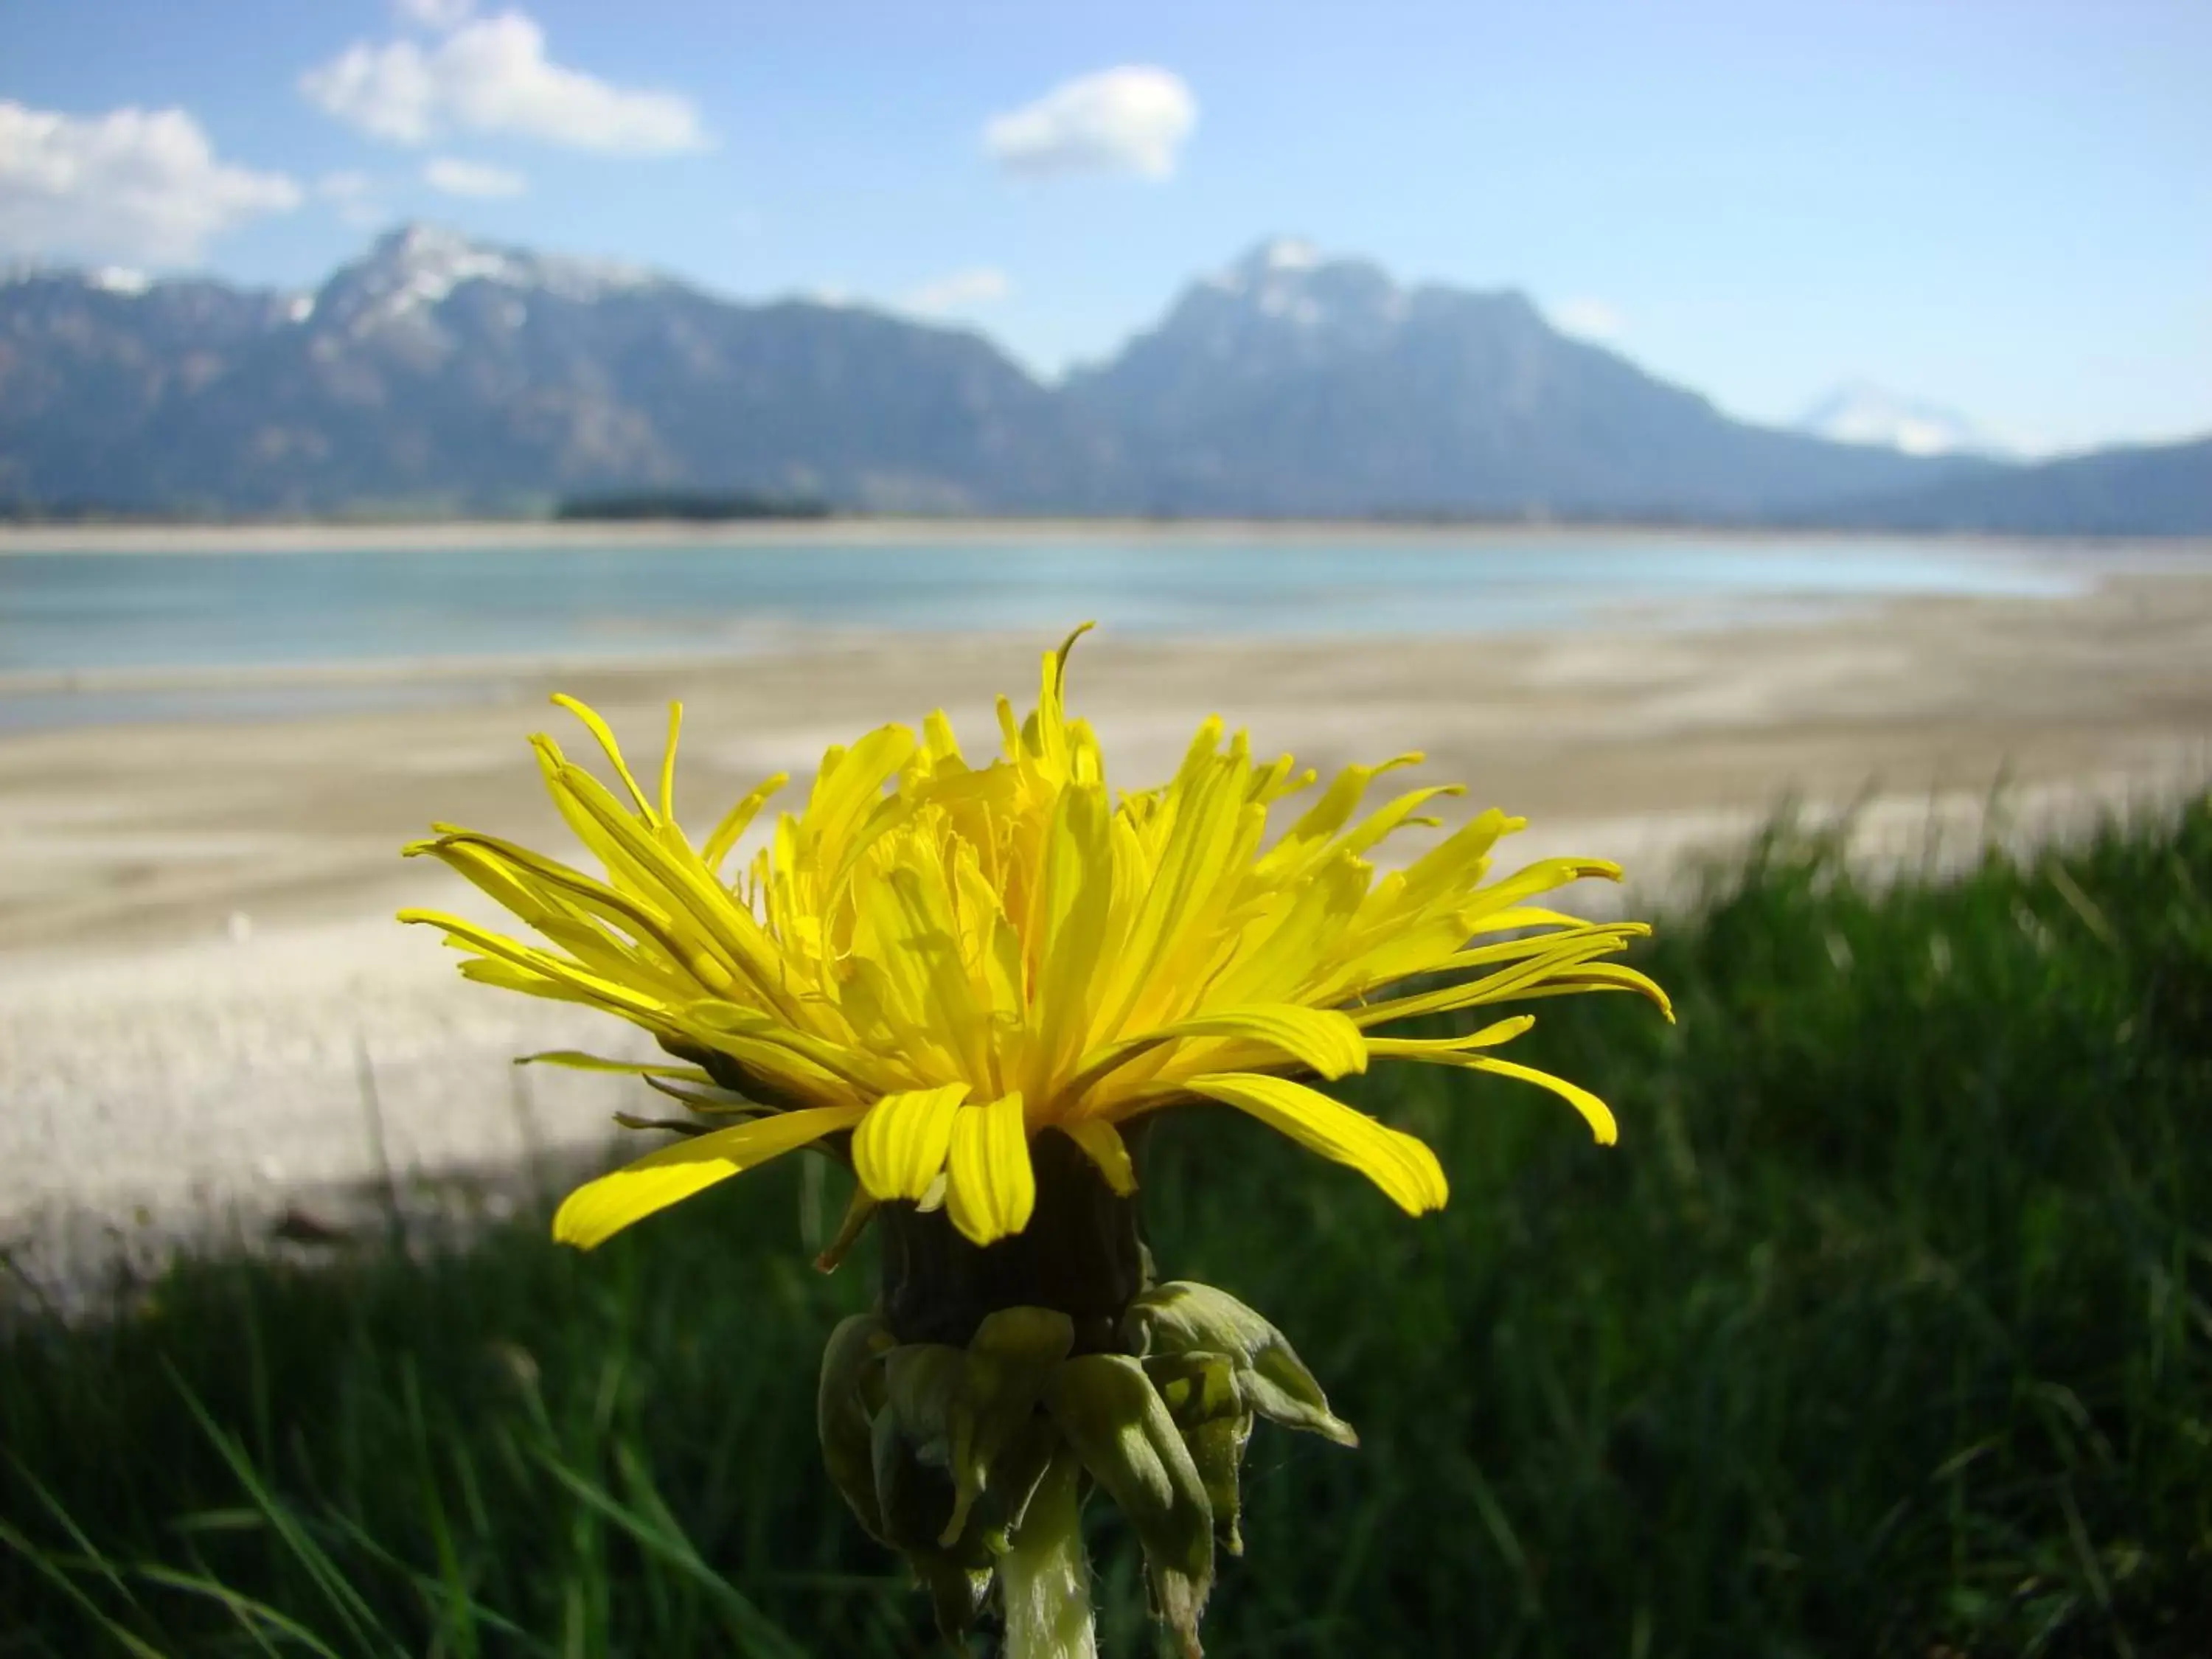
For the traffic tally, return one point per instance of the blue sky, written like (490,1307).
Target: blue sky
(2002,208)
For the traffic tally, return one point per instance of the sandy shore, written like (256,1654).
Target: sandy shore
(204,1010)
(325,536)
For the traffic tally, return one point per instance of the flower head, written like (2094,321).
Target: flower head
(944,961)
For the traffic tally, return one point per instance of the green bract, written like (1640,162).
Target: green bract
(944,1452)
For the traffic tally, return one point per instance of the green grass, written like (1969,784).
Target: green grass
(1884,1331)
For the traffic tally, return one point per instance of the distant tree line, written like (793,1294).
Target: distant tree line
(698,505)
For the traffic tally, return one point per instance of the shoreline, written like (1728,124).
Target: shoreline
(201,988)
(799,643)
(326,535)
(146,818)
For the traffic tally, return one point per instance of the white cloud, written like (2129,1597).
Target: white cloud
(439,16)
(134,184)
(493,76)
(1588,319)
(1128,120)
(455,177)
(959,290)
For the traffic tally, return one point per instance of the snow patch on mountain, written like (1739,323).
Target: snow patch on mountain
(1862,413)
(417,267)
(119,279)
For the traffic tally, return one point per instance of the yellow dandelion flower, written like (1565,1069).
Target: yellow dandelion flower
(944,962)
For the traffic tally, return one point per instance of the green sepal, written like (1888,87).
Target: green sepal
(1216,1447)
(841,1414)
(956,1594)
(912,1444)
(1201,1394)
(1010,1355)
(914,1495)
(1184,1316)
(1117,1424)
(960,1408)
(1016,1473)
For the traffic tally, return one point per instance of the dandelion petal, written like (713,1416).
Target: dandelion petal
(599,1209)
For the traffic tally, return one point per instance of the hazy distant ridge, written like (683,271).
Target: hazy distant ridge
(2154,489)
(439,375)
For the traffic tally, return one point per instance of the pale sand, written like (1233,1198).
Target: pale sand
(198,967)
(922,534)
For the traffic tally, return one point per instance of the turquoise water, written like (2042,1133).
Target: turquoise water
(131,636)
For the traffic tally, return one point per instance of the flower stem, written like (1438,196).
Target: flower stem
(1044,1579)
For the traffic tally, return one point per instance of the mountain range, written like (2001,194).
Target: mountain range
(1287,383)
(438,374)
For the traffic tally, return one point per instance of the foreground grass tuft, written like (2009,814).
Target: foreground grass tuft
(1887,1329)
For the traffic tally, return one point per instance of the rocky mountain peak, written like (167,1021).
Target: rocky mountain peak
(1287,284)
(1274,258)
(413,269)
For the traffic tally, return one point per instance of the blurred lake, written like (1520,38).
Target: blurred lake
(92,636)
